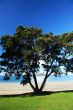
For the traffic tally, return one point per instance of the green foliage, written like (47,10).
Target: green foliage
(24,50)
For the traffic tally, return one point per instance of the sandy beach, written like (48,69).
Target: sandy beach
(16,88)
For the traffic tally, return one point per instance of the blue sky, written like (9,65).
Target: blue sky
(51,15)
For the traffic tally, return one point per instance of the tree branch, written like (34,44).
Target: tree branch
(32,86)
(35,80)
(46,76)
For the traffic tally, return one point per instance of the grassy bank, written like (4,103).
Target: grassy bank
(57,101)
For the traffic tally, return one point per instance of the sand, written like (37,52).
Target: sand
(16,88)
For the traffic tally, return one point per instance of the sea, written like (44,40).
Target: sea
(39,78)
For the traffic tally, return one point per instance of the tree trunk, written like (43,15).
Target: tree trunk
(32,86)
(35,88)
(35,81)
(46,76)
(36,91)
(43,84)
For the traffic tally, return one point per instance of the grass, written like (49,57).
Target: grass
(56,101)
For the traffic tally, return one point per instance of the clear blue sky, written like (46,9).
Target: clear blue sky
(51,15)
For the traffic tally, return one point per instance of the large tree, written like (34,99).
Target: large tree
(23,52)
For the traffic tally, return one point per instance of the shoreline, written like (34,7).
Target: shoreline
(16,88)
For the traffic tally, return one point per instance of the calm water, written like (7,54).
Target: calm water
(12,79)
(40,78)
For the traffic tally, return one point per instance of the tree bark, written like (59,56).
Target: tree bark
(46,76)
(43,84)
(36,91)
(35,81)
(44,81)
(32,86)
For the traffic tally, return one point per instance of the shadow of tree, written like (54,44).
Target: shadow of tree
(32,94)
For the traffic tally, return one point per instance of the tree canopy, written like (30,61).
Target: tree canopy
(23,51)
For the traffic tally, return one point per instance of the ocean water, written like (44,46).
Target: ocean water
(40,78)
(61,78)
(12,80)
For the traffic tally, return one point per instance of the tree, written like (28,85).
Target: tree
(24,50)
(57,53)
